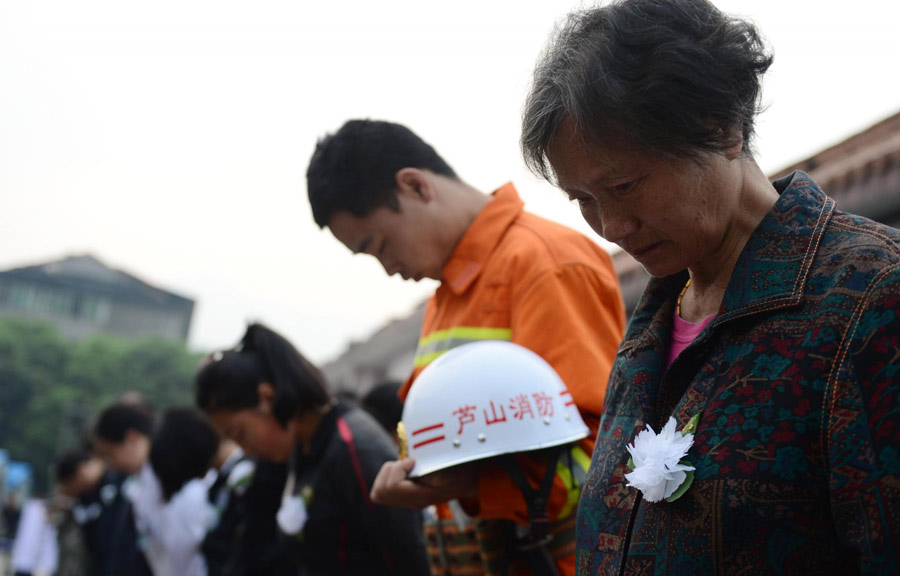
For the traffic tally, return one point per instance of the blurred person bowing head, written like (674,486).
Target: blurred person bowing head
(220,506)
(170,519)
(101,514)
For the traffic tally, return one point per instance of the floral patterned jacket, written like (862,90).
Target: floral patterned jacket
(796,382)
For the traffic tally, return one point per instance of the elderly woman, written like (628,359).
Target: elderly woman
(752,419)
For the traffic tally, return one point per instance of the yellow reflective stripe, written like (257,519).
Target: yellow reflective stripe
(436,343)
(581,458)
(572,491)
(573,485)
(427,359)
(468,333)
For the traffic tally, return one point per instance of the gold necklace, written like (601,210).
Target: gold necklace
(680,296)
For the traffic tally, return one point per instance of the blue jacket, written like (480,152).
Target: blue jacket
(797,451)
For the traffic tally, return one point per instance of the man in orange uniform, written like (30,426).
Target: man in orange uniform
(505,275)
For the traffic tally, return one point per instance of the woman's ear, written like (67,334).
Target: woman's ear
(266,393)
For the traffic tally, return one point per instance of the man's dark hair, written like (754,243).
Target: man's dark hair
(119,418)
(383,403)
(67,463)
(183,448)
(672,77)
(353,170)
(231,379)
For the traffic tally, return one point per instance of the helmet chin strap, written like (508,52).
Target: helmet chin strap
(533,545)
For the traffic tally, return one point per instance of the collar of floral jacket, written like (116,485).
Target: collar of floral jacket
(770,274)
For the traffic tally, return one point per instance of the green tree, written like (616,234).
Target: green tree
(51,387)
(33,360)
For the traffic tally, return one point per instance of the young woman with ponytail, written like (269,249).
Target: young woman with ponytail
(272,401)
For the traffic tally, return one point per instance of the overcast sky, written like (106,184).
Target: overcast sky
(170,138)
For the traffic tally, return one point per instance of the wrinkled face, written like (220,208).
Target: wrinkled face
(257,432)
(127,456)
(400,240)
(668,214)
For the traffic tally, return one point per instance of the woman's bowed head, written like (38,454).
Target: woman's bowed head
(649,131)
(265,395)
(657,469)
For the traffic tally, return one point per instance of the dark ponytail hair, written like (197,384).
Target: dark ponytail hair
(183,448)
(231,379)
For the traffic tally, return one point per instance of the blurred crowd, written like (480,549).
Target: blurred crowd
(162,494)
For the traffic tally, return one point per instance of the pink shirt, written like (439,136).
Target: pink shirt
(683,333)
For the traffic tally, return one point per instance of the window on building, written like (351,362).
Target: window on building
(20,296)
(91,309)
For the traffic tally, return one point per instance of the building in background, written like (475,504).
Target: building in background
(82,296)
(862,174)
(386,356)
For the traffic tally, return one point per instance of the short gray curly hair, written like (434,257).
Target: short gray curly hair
(667,76)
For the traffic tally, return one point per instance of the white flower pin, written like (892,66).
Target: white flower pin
(657,469)
(292,515)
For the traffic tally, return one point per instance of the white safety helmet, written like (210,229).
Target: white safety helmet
(484,399)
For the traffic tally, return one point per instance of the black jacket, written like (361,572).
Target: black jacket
(106,518)
(245,540)
(345,533)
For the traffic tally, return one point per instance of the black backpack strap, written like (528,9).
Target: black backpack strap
(533,545)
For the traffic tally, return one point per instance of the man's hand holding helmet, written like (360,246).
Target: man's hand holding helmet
(475,402)
(394,487)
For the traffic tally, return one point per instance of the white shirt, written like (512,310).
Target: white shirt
(170,533)
(34,549)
